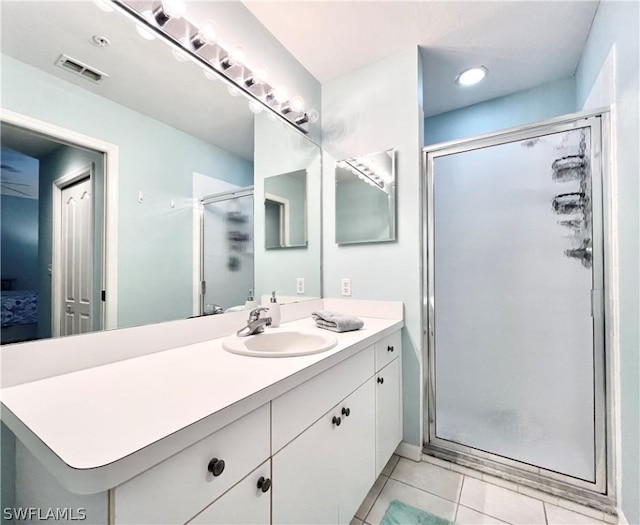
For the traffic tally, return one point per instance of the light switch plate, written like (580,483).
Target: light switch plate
(300,285)
(346,287)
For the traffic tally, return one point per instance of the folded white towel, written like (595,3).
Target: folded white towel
(336,322)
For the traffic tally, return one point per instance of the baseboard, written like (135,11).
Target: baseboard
(412,452)
(622,519)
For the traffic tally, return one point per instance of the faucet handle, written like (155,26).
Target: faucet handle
(254,314)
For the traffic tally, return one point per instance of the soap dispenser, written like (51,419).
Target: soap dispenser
(250,303)
(274,310)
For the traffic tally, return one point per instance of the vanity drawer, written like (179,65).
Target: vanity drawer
(177,489)
(388,349)
(298,409)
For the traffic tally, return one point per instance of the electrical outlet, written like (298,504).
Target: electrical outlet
(300,285)
(346,287)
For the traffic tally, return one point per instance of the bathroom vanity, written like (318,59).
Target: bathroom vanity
(200,435)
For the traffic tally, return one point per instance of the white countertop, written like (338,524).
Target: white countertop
(103,425)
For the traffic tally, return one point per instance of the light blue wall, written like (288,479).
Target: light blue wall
(540,103)
(20,241)
(357,120)
(155,241)
(60,162)
(617,24)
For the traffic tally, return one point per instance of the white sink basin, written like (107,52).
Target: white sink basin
(280,343)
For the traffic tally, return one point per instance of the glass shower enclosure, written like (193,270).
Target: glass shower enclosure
(514,308)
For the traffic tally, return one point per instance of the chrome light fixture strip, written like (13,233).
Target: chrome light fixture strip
(263,95)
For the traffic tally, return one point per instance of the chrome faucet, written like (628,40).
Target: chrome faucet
(255,323)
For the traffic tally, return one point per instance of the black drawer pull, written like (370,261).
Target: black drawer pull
(381,380)
(336,421)
(264,484)
(390,348)
(346,412)
(216,466)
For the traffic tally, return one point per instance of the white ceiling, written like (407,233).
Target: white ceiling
(522,43)
(143,75)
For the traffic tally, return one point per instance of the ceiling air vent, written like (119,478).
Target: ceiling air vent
(83,70)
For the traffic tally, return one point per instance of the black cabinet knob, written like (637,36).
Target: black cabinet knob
(216,466)
(264,484)
(390,348)
(336,421)
(346,411)
(381,380)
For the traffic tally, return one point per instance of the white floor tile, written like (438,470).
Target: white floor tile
(467,516)
(581,509)
(370,499)
(504,504)
(437,480)
(391,464)
(411,496)
(559,516)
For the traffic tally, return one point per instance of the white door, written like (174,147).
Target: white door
(76,269)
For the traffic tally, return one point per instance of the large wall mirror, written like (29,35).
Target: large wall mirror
(366,198)
(189,217)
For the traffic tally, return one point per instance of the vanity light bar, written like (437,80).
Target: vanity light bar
(363,172)
(226,64)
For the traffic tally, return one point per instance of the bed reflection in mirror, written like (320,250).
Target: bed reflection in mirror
(366,198)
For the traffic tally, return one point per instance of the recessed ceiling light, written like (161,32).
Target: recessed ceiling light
(472,76)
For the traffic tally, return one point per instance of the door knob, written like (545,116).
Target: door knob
(336,421)
(264,484)
(216,466)
(381,380)
(346,411)
(390,348)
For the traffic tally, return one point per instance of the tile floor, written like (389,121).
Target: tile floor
(466,496)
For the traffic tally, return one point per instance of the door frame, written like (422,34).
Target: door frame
(59,184)
(603,491)
(111,156)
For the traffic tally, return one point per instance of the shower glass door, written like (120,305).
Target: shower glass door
(515,282)
(227,263)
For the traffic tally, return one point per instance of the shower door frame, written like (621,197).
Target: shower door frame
(601,492)
(245,191)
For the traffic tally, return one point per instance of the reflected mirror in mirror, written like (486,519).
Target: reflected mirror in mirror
(285,209)
(185,212)
(366,198)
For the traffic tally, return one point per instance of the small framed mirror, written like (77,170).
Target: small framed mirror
(285,210)
(366,198)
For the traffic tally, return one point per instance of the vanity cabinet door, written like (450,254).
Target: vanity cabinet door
(304,476)
(388,412)
(356,449)
(248,503)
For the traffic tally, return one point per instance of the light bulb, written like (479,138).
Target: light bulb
(174,8)
(297,104)
(255,107)
(280,95)
(313,116)
(471,76)
(257,77)
(233,91)
(235,57)
(206,35)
